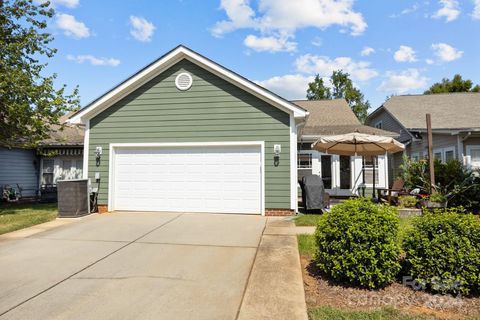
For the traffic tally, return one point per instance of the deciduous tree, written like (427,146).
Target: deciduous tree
(29,101)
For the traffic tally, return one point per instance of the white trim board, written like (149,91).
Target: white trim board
(86,146)
(114,146)
(167,61)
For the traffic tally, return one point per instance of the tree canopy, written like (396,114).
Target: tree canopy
(341,88)
(29,101)
(457,84)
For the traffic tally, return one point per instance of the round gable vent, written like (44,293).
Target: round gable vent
(183,81)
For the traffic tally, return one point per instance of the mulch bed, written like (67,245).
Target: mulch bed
(321,292)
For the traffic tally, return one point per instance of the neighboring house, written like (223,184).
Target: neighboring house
(19,168)
(342,175)
(58,157)
(455,125)
(186,134)
(61,155)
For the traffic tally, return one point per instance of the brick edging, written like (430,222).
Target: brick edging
(279,212)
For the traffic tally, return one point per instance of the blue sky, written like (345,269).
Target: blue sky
(388,47)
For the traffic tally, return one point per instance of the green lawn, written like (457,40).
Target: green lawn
(405,225)
(15,217)
(329,313)
(306,244)
(307,219)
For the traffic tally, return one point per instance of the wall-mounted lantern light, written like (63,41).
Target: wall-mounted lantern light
(98,154)
(277,149)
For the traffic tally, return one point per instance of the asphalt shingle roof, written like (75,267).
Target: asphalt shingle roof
(332,117)
(71,135)
(448,111)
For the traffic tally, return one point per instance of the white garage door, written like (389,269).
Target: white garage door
(190,179)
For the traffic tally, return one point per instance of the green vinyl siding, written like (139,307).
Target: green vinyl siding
(211,110)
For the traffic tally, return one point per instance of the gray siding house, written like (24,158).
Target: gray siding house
(58,157)
(186,134)
(455,126)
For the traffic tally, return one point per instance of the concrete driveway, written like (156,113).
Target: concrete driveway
(130,265)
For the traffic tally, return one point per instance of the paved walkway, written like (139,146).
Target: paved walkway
(152,266)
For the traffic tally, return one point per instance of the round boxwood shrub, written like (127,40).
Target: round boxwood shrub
(357,243)
(443,251)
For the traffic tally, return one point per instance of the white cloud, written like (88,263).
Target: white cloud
(94,60)
(288,86)
(71,26)
(366,51)
(445,52)
(476,10)
(282,18)
(405,54)
(324,66)
(142,29)
(270,44)
(402,82)
(405,11)
(66,3)
(429,61)
(450,10)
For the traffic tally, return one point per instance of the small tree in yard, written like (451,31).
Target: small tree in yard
(341,88)
(29,102)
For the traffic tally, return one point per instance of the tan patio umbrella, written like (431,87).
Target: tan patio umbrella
(358,144)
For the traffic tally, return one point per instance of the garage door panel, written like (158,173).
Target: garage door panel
(196,179)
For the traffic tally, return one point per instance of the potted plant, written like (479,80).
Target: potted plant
(407,201)
(435,200)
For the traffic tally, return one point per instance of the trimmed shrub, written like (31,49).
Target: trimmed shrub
(357,243)
(443,251)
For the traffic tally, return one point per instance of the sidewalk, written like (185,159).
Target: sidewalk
(275,287)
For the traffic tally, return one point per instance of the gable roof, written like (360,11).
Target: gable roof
(157,67)
(332,117)
(71,135)
(449,111)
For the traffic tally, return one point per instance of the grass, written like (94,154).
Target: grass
(405,225)
(307,219)
(19,216)
(324,313)
(306,244)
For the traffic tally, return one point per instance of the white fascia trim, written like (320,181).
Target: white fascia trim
(170,59)
(114,146)
(293,164)
(86,146)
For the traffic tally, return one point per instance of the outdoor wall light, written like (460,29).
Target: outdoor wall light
(277,149)
(98,154)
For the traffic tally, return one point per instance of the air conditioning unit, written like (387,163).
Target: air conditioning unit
(73,198)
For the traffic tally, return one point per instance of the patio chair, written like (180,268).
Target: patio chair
(391,195)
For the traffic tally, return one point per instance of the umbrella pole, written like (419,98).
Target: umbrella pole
(373,193)
(363,176)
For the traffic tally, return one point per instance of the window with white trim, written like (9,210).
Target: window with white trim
(379,125)
(444,154)
(473,152)
(304,161)
(47,171)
